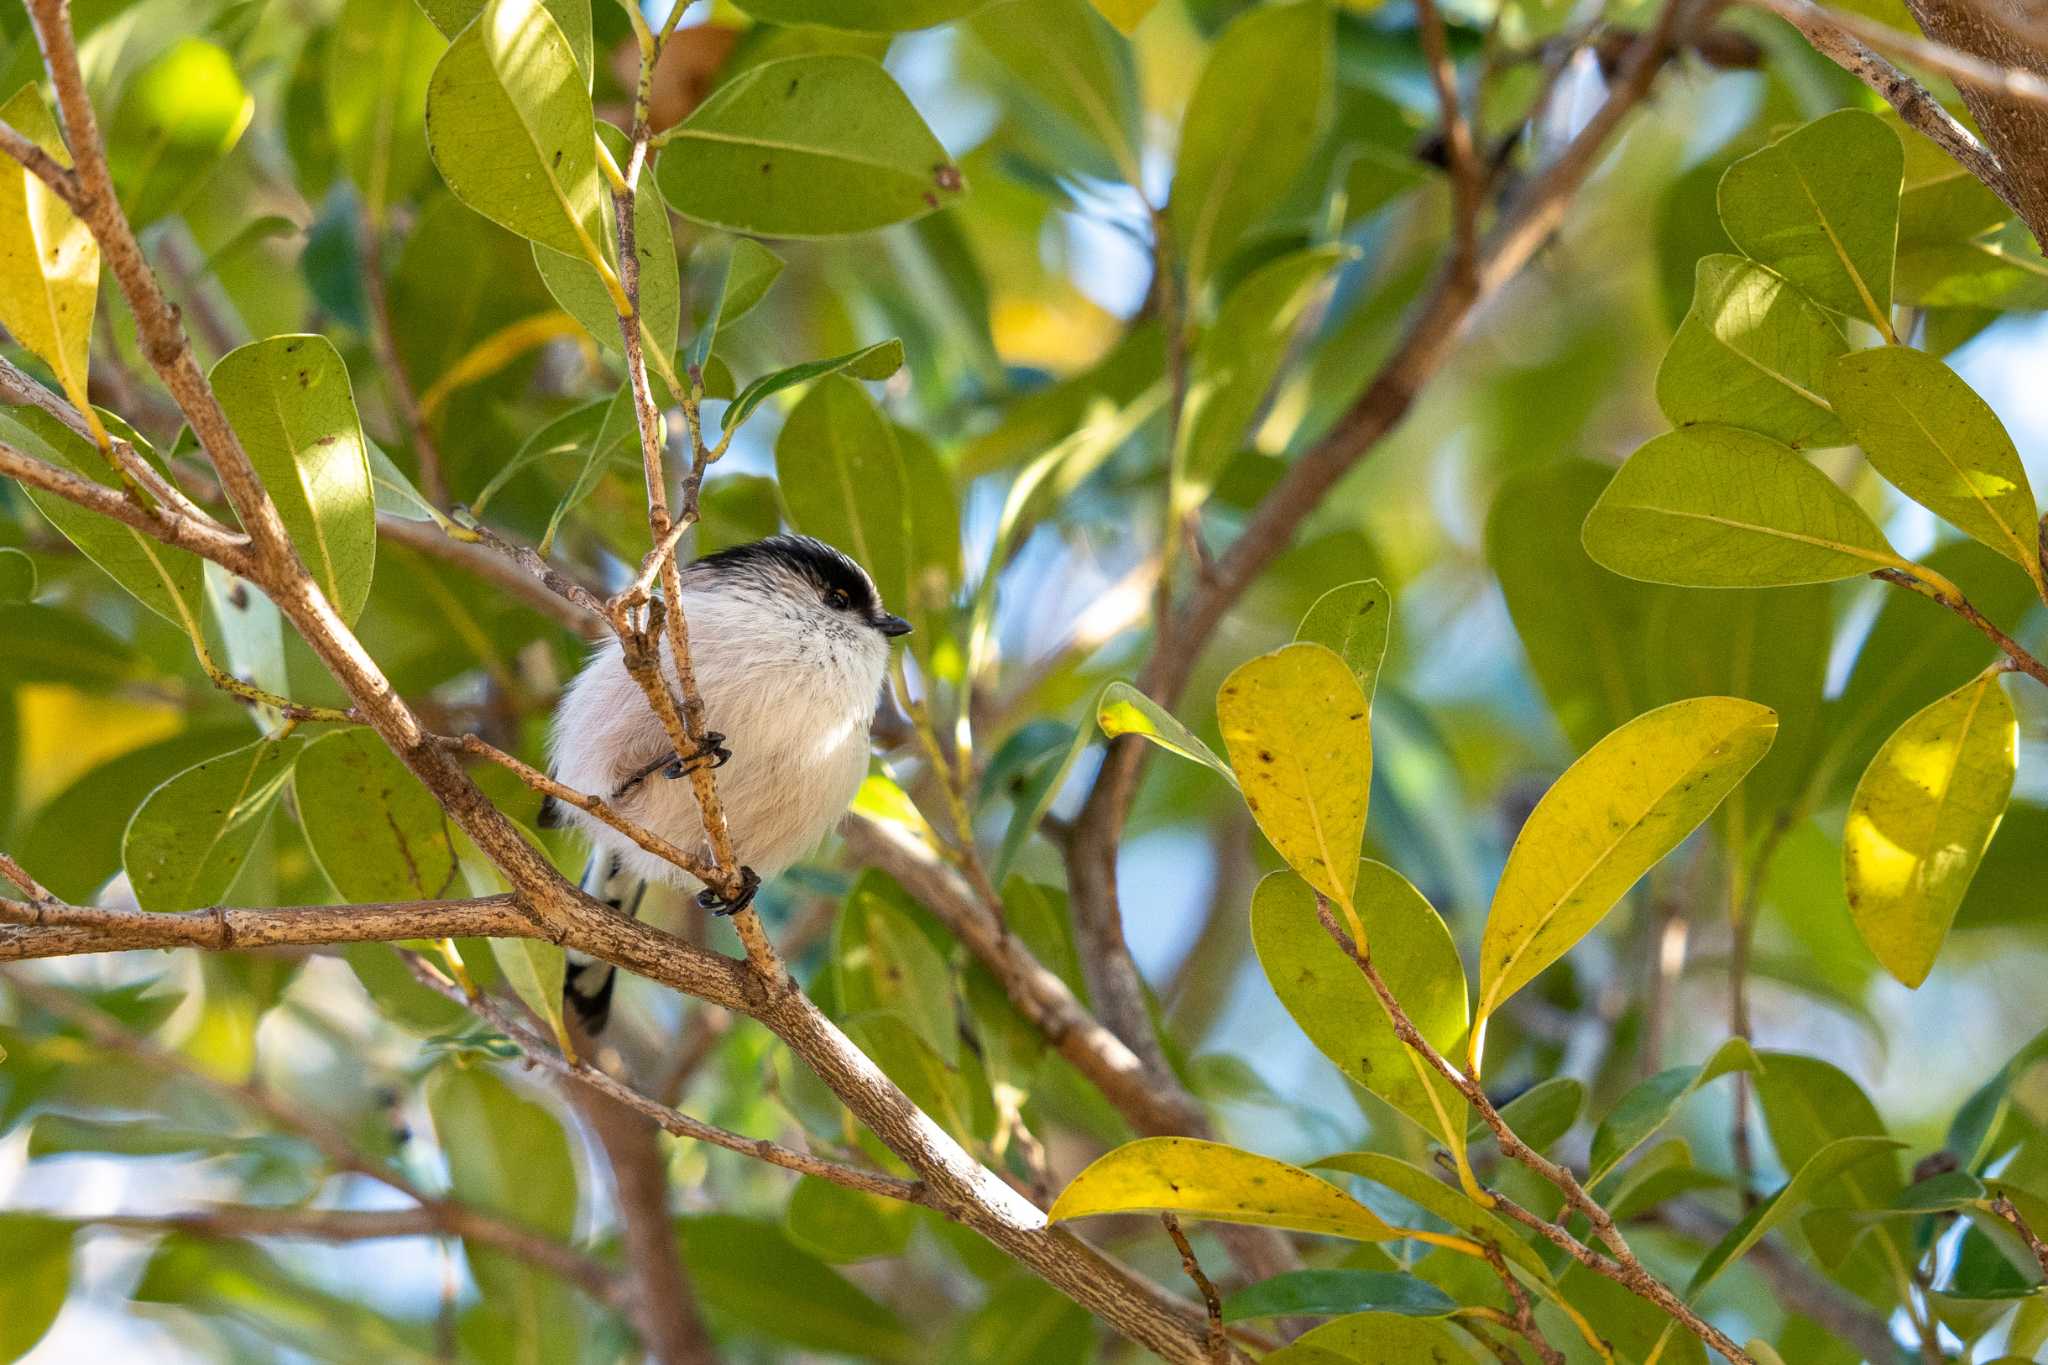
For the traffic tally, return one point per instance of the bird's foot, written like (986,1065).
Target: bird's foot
(709,753)
(709,899)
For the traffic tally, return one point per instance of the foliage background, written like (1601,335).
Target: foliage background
(1012,306)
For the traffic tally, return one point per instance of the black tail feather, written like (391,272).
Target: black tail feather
(587,984)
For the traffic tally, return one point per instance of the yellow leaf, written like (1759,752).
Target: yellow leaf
(495,352)
(49,262)
(1918,825)
(1300,741)
(1630,800)
(1125,14)
(1211,1180)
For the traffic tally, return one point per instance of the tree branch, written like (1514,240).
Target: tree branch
(41,929)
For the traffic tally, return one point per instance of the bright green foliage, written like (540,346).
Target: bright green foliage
(576,285)
(377,834)
(1353,622)
(37,1281)
(179,118)
(380,57)
(809,147)
(843,481)
(1752,353)
(1124,710)
(1817,206)
(1385,1339)
(190,838)
(1918,825)
(875,15)
(1719,507)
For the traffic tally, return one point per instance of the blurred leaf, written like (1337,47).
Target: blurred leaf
(245,1285)
(1650,1104)
(1978,1118)
(51,645)
(1125,14)
(1240,357)
(378,59)
(617,439)
(17,577)
(1582,626)
(510,127)
(818,146)
(751,1277)
(1921,818)
(177,120)
(189,839)
(290,402)
(535,968)
(1385,1338)
(842,480)
(1261,104)
(841,1226)
(1820,206)
(1123,710)
(883,962)
(1830,1161)
(1353,622)
(376,832)
(1928,432)
(1026,1322)
(37,1282)
(1295,724)
(1033,764)
(878,361)
(1325,1293)
(575,284)
(878,16)
(1299,1353)
(49,261)
(752,272)
(1752,353)
(1210,1180)
(1540,1115)
(165,580)
(1719,507)
(1614,814)
(1333,1003)
(1074,73)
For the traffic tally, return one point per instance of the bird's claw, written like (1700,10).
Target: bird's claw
(711,746)
(709,899)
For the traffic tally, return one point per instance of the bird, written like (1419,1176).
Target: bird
(789,642)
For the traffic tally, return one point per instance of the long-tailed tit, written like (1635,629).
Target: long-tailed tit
(790,642)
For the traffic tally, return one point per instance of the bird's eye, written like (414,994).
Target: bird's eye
(838,600)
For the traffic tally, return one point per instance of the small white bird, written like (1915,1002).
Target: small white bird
(790,642)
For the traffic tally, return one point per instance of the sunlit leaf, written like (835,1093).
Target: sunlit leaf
(178,119)
(882,961)
(1719,507)
(1751,353)
(378,59)
(290,402)
(1125,14)
(1123,710)
(49,262)
(191,837)
(1921,819)
(1929,433)
(1211,1180)
(1295,724)
(1613,815)
(510,127)
(878,16)
(1074,73)
(817,146)
(1263,100)
(1353,621)
(1820,206)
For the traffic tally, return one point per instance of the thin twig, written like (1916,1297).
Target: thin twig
(1961,67)
(2002,1205)
(1963,607)
(1468,176)
(1522,1317)
(1212,1303)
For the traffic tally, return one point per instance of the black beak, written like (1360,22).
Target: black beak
(893,626)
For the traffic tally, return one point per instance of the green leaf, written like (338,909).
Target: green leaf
(617,438)
(510,127)
(17,576)
(1073,73)
(878,361)
(49,261)
(1211,1180)
(1719,507)
(1296,727)
(1821,207)
(1921,819)
(882,962)
(375,831)
(1540,1115)
(753,270)
(1025,763)
(1614,814)
(377,61)
(571,16)
(751,1276)
(289,400)
(1296,1353)
(178,119)
(1582,626)
(1751,353)
(842,1226)
(1326,1293)
(1257,113)
(394,492)
(816,146)
(167,581)
(1978,1118)
(506,1154)
(241,1284)
(1240,357)
(1333,1003)
(38,1279)
(1928,432)
(1834,1233)
(189,839)
(48,644)
(1353,622)
(1123,710)
(842,480)
(1645,1109)
(864,16)
(575,430)
(1385,1339)
(1025,1321)
(1825,1164)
